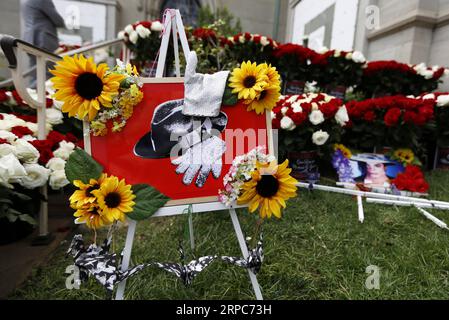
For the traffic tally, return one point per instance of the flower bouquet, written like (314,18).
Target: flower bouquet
(309,121)
(336,70)
(294,64)
(383,78)
(397,121)
(255,179)
(143,40)
(254,47)
(96,93)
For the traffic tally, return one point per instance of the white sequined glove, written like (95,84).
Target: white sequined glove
(201,160)
(203,92)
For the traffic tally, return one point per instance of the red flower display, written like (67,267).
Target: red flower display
(21,131)
(45,149)
(411,180)
(204,34)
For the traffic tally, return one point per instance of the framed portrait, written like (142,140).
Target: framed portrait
(143,151)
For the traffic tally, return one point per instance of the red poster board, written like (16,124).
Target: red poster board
(115,152)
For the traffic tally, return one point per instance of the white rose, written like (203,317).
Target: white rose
(157,26)
(26,151)
(264,41)
(8,116)
(8,124)
(342,116)
(428,74)
(316,117)
(273,115)
(231,39)
(242,39)
(128,29)
(358,57)
(349,56)
(54,116)
(429,96)
(443,101)
(65,150)
(323,50)
(133,37)
(284,110)
(420,68)
(142,31)
(287,124)
(6,148)
(337,53)
(28,138)
(296,107)
(9,136)
(32,126)
(446,72)
(58,180)
(121,35)
(320,137)
(293,99)
(10,169)
(56,164)
(37,176)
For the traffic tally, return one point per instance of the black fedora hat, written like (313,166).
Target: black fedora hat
(167,120)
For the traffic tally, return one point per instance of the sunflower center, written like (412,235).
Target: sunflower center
(268,186)
(249,81)
(88,85)
(112,200)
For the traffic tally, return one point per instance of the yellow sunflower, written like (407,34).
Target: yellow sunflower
(404,155)
(91,216)
(248,80)
(270,186)
(83,86)
(115,198)
(267,100)
(274,78)
(84,195)
(345,151)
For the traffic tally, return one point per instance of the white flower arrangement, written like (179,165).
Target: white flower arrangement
(19,158)
(240,172)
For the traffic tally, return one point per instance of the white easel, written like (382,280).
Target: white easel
(173,24)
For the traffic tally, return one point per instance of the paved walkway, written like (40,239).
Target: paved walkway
(18,259)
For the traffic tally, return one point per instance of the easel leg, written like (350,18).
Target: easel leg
(192,238)
(126,257)
(241,239)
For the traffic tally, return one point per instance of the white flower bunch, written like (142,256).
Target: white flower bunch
(133,34)
(240,172)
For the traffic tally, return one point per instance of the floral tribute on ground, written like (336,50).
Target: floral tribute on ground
(396,172)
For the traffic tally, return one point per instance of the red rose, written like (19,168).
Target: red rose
(21,131)
(27,118)
(276,123)
(49,103)
(54,138)
(3,141)
(392,117)
(257,39)
(1,117)
(369,116)
(298,117)
(71,138)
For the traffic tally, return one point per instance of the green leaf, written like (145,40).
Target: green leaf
(11,217)
(81,166)
(27,218)
(148,200)
(229,98)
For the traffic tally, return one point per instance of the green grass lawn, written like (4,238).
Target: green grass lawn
(318,250)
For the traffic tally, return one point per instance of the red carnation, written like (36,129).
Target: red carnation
(21,131)
(412,180)
(392,117)
(369,116)
(298,117)
(54,138)
(49,103)
(16,96)
(45,150)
